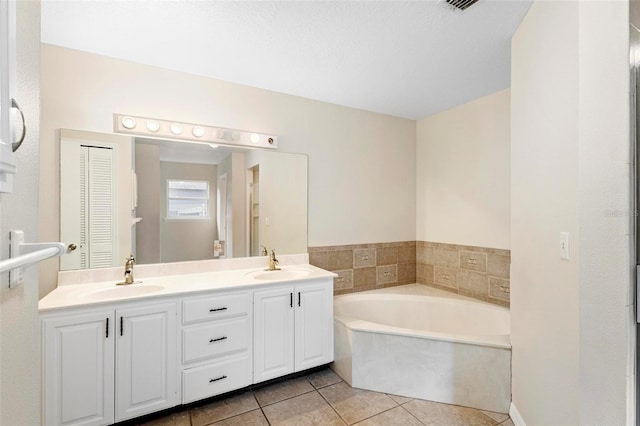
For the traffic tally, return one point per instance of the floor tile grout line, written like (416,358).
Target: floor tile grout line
(286,399)
(265,416)
(411,414)
(332,407)
(313,388)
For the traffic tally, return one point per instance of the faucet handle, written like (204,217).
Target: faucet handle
(264,252)
(130,261)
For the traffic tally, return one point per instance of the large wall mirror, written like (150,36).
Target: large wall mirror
(171,201)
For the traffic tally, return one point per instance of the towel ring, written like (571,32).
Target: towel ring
(17,144)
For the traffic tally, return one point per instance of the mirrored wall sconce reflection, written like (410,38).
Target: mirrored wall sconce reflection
(165,129)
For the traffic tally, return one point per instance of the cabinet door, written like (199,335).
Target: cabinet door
(146,360)
(78,369)
(314,325)
(273,333)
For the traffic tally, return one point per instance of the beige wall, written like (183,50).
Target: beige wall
(569,163)
(187,239)
(361,164)
(462,173)
(234,167)
(607,325)
(148,229)
(19,321)
(283,200)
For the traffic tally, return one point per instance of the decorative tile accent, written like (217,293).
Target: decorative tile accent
(473,261)
(364,257)
(445,276)
(478,272)
(344,280)
(499,289)
(387,274)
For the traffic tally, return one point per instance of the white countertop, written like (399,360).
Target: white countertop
(97,293)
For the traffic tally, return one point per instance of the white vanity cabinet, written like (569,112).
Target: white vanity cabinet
(109,365)
(216,344)
(145,360)
(293,328)
(113,360)
(78,369)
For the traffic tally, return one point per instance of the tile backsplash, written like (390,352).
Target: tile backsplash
(363,267)
(478,272)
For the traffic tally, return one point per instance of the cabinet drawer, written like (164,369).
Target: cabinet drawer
(214,379)
(214,307)
(214,339)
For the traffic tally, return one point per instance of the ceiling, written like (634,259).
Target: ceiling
(408,59)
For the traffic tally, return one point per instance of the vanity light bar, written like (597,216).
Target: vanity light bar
(164,129)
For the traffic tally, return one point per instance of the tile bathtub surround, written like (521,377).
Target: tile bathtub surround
(478,272)
(363,267)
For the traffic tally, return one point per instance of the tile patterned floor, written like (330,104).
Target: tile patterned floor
(322,398)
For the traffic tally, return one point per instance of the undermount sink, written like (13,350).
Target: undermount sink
(119,292)
(281,274)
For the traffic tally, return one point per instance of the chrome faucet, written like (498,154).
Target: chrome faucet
(128,270)
(273,262)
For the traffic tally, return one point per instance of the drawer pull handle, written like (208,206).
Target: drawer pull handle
(217,309)
(219,378)
(218,339)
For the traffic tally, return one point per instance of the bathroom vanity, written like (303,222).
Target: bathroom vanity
(112,353)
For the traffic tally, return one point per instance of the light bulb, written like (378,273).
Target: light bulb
(198,132)
(176,129)
(255,138)
(128,122)
(153,125)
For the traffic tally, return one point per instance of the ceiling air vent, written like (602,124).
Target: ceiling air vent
(460,4)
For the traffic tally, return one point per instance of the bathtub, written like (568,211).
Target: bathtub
(424,343)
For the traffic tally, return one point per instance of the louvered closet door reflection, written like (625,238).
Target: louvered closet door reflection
(87,205)
(101,213)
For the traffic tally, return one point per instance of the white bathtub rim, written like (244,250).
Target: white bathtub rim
(501,341)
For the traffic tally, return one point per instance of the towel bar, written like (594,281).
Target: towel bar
(23,254)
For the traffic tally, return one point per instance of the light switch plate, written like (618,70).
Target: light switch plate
(564,245)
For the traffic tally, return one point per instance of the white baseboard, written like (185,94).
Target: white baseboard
(516,418)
